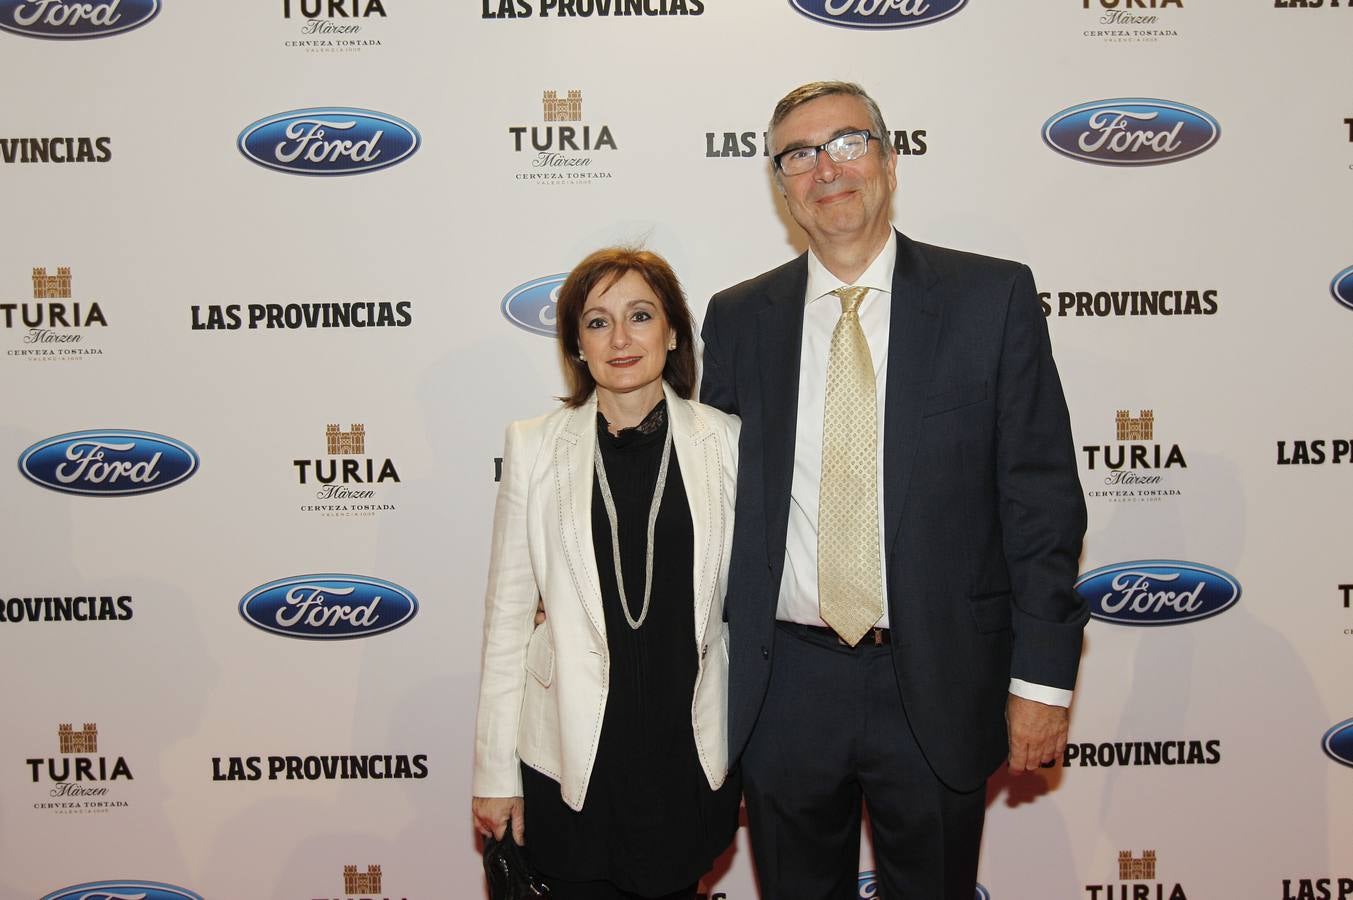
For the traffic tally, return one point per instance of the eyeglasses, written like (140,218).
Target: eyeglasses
(842,148)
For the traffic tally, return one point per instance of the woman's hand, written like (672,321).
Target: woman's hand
(492,814)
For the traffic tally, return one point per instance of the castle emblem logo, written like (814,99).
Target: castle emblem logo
(368,882)
(571,153)
(1136,869)
(1135,466)
(54,326)
(78,779)
(86,740)
(347,482)
(563,109)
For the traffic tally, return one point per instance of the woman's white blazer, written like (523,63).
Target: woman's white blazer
(542,693)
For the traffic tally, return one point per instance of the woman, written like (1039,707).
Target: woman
(607,723)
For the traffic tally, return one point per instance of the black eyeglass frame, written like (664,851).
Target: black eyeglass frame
(868,136)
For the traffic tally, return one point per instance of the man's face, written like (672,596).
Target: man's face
(837,201)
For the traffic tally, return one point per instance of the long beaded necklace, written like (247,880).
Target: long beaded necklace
(653,507)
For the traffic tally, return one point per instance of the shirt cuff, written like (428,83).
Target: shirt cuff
(1040,692)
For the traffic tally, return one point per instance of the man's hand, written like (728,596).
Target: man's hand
(492,814)
(1037,732)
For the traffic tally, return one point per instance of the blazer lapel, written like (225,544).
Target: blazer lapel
(574,451)
(779,342)
(912,335)
(698,457)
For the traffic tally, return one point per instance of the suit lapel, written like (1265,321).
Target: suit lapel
(913,331)
(779,342)
(574,450)
(698,456)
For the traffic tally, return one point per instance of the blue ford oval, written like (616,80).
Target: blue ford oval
(328,607)
(1157,592)
(532,305)
(108,462)
(869,890)
(1131,132)
(878,13)
(1342,287)
(120,890)
(329,140)
(66,19)
(1338,742)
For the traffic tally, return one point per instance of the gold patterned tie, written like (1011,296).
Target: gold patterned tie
(849,583)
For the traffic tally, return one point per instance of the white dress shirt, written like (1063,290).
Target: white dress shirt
(798,601)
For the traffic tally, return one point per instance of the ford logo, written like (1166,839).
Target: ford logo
(532,305)
(1338,742)
(108,462)
(1131,132)
(869,887)
(329,140)
(77,19)
(328,607)
(878,13)
(1342,287)
(123,890)
(1157,592)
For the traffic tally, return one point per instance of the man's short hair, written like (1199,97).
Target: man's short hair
(815,89)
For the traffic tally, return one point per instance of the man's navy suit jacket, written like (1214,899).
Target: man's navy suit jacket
(983,509)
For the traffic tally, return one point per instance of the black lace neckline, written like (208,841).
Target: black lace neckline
(650,430)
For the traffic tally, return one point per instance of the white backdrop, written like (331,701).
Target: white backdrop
(178,220)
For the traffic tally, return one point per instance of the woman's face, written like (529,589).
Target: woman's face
(624,334)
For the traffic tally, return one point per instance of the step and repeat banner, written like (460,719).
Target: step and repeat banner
(276,274)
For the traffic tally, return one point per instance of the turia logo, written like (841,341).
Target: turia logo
(328,607)
(878,13)
(1131,132)
(108,462)
(1338,742)
(1157,592)
(532,306)
(1342,287)
(81,781)
(329,140)
(123,890)
(564,153)
(66,19)
(55,325)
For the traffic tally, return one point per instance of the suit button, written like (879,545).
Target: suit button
(765,653)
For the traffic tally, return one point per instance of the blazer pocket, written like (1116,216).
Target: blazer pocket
(991,612)
(540,656)
(954,398)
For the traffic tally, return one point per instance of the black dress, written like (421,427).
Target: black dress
(650,824)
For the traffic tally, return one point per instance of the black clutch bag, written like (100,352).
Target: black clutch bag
(510,876)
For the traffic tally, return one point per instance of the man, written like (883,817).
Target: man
(908,525)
